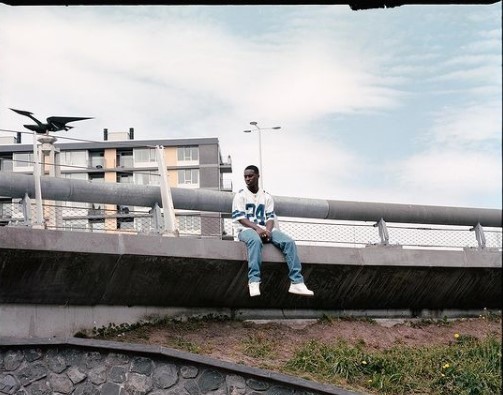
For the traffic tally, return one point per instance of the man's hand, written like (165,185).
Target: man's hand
(265,235)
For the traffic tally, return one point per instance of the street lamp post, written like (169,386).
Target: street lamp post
(259,129)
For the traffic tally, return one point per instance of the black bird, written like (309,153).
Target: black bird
(53,124)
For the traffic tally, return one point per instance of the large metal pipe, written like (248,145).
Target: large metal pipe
(16,185)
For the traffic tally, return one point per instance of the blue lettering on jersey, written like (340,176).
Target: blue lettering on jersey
(255,214)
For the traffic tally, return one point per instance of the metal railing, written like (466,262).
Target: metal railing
(93,217)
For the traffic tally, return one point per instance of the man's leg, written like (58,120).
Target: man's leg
(254,246)
(287,246)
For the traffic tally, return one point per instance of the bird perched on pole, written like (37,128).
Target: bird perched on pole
(54,124)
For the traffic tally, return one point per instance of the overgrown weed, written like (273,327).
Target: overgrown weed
(175,324)
(259,346)
(465,366)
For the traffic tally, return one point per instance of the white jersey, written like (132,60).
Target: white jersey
(256,207)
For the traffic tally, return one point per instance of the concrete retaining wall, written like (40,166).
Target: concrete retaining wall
(71,268)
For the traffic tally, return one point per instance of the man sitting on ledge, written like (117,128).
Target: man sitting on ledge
(254,218)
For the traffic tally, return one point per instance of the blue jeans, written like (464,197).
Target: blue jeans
(280,240)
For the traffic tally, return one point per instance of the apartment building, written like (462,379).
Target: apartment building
(119,158)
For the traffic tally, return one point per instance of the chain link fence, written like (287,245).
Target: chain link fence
(93,217)
(366,233)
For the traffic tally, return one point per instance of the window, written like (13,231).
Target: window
(144,155)
(73,159)
(186,154)
(147,178)
(97,226)
(188,176)
(23,161)
(125,178)
(5,164)
(125,158)
(96,177)
(76,176)
(96,214)
(124,221)
(97,159)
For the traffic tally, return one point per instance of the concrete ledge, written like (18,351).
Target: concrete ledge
(51,267)
(119,244)
(238,373)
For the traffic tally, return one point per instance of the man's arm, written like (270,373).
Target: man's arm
(266,233)
(269,225)
(270,216)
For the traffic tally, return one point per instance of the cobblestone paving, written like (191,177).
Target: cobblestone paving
(72,370)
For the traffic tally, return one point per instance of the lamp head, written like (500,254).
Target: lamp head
(247,131)
(253,123)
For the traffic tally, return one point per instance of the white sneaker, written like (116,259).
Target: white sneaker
(300,289)
(254,289)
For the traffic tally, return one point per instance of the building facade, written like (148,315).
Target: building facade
(191,163)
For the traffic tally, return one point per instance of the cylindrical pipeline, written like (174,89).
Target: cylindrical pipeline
(16,185)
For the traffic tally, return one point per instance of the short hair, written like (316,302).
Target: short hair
(254,168)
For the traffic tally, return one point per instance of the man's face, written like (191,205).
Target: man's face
(251,178)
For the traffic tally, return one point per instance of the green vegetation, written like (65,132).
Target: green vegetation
(429,321)
(259,346)
(466,366)
(110,330)
(181,344)
(328,319)
(180,324)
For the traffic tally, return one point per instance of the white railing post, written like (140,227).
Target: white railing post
(383,231)
(156,218)
(26,207)
(479,235)
(167,200)
(39,216)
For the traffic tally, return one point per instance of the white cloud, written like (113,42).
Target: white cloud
(296,162)
(490,43)
(480,74)
(473,59)
(452,176)
(468,124)
(180,68)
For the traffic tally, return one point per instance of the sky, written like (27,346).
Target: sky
(396,105)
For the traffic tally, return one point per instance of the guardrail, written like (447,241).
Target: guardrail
(88,217)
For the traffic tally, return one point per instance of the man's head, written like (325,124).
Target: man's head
(251,175)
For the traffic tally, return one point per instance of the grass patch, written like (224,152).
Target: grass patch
(259,346)
(466,366)
(490,315)
(185,345)
(429,321)
(175,324)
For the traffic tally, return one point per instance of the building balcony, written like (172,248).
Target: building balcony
(226,167)
(226,185)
